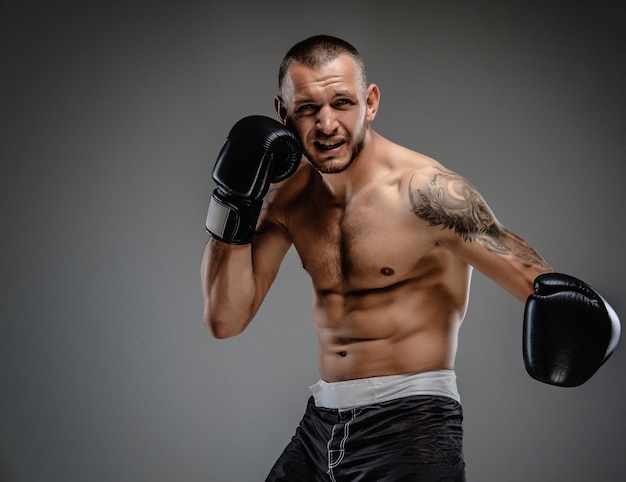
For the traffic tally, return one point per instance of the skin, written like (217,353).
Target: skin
(388,236)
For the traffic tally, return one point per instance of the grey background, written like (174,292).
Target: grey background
(112,114)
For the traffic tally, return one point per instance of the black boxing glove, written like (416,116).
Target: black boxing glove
(569,331)
(258,151)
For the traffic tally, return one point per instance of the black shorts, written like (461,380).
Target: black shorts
(416,438)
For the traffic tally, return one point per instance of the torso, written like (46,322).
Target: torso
(387,298)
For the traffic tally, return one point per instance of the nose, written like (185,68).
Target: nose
(326,122)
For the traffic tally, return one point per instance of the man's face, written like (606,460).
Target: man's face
(330,110)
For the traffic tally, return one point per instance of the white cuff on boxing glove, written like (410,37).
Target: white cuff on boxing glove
(232,221)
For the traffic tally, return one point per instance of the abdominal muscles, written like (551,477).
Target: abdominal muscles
(403,328)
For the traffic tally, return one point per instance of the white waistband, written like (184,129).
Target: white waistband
(350,394)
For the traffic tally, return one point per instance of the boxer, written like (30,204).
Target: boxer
(389,238)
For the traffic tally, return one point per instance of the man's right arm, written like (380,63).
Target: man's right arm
(236,278)
(239,266)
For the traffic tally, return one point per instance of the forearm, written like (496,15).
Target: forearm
(228,287)
(518,279)
(513,265)
(523,264)
(259,151)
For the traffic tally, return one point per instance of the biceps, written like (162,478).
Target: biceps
(450,201)
(269,247)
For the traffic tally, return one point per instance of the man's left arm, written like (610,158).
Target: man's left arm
(466,225)
(570,330)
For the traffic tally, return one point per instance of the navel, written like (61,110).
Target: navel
(387,271)
(343,353)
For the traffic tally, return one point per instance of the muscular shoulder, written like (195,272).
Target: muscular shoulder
(283,196)
(403,164)
(446,199)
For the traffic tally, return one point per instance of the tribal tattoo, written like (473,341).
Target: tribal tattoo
(453,203)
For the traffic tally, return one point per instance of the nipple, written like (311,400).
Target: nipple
(387,271)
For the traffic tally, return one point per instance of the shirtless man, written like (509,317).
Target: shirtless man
(389,238)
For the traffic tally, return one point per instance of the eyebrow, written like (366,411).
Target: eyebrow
(303,100)
(339,93)
(344,93)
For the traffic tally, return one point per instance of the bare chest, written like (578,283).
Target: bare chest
(371,242)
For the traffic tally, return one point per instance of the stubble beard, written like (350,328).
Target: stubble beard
(332,167)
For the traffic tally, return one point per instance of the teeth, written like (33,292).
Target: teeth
(328,146)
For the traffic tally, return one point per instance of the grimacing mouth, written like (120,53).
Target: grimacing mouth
(327,146)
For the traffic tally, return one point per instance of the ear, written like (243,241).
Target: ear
(280,108)
(373,100)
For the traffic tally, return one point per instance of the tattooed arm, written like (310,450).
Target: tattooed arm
(447,201)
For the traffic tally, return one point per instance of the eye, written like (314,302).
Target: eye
(343,103)
(305,109)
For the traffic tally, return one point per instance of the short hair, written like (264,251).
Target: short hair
(319,50)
